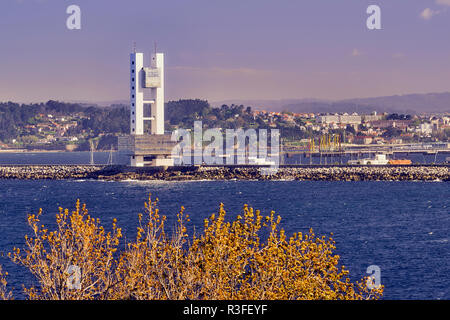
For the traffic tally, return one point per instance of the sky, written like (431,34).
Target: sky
(222,50)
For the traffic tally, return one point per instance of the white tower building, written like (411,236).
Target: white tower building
(148,145)
(150,107)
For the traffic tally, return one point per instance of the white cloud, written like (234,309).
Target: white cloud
(443,2)
(356,53)
(427,14)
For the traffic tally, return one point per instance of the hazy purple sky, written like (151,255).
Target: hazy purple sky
(225,49)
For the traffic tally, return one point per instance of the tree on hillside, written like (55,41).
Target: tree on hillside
(186,110)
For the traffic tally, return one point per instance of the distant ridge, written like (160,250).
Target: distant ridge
(408,104)
(417,103)
(101,103)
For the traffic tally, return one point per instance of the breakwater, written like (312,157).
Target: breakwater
(52,172)
(311,173)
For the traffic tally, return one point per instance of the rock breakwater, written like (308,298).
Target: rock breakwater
(52,172)
(336,173)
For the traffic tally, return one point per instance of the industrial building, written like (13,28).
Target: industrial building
(353,119)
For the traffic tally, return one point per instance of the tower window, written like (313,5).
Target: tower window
(132,112)
(132,62)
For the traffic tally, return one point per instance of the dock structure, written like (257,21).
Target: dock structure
(290,153)
(147,144)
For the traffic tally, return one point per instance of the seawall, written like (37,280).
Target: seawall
(48,172)
(306,173)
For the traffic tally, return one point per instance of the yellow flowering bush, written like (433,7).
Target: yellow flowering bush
(249,258)
(79,249)
(4,293)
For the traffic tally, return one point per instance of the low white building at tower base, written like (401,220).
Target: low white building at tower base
(148,150)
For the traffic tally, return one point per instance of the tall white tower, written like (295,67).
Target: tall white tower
(147,143)
(147,94)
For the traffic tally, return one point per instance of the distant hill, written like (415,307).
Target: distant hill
(408,104)
(111,103)
(272,105)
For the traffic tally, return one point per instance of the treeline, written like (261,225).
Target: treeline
(183,113)
(101,120)
(14,117)
(93,120)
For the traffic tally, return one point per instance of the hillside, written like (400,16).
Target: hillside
(408,104)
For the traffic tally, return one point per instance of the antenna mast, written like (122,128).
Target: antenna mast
(92,151)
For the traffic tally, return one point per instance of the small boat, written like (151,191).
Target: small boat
(260,161)
(379,159)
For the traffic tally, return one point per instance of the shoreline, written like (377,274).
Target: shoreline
(224,173)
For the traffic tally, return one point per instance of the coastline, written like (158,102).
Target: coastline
(196,173)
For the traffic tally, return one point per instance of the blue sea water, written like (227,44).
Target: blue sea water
(402,227)
(83,157)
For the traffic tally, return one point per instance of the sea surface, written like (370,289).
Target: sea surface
(401,227)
